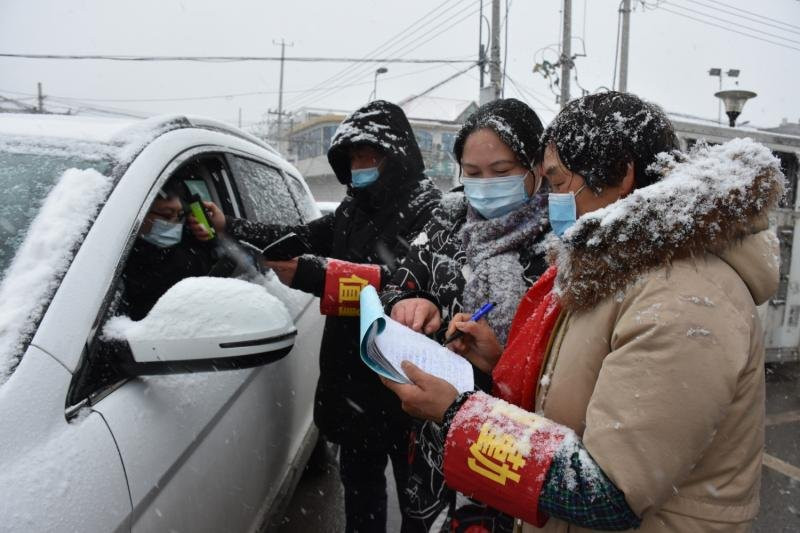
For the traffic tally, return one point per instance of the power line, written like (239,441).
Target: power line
(526,92)
(732,13)
(416,43)
(228,59)
(437,85)
(754,14)
(733,23)
(209,97)
(727,28)
(402,35)
(404,48)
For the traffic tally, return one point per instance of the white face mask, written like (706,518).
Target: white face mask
(164,234)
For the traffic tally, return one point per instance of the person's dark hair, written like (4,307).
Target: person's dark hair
(598,135)
(513,121)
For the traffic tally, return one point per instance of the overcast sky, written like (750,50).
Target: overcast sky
(670,54)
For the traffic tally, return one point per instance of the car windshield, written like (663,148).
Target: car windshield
(25,181)
(48,198)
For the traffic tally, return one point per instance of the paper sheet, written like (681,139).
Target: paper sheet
(396,343)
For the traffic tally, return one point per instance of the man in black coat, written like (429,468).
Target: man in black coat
(389,200)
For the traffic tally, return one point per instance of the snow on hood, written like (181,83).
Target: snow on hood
(707,200)
(201,307)
(43,258)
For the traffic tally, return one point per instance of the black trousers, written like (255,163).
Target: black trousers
(362,474)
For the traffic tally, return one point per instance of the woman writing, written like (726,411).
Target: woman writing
(631,390)
(479,246)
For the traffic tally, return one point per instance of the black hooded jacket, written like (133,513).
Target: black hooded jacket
(352,405)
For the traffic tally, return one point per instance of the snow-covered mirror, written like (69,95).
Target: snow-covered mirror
(203,324)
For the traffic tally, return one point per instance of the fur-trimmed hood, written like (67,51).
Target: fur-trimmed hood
(708,200)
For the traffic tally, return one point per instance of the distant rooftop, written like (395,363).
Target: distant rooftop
(786,127)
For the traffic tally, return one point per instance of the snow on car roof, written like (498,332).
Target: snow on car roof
(128,135)
(97,129)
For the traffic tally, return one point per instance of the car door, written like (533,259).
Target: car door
(201,451)
(289,202)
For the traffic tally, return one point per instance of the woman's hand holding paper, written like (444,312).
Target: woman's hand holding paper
(427,398)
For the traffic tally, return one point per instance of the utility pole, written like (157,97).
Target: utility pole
(481,49)
(494,70)
(40,107)
(280,88)
(240,117)
(566,52)
(623,53)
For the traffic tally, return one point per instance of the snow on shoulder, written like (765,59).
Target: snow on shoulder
(707,199)
(44,257)
(200,308)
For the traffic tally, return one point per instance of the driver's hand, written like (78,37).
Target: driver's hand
(215,217)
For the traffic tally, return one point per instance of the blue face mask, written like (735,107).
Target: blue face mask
(562,210)
(495,197)
(164,234)
(364,176)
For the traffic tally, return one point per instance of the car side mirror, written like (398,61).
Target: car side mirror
(205,324)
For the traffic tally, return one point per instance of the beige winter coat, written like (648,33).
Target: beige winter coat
(658,359)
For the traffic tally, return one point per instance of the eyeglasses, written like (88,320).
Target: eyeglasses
(168,217)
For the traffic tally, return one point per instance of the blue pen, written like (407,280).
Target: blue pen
(477,315)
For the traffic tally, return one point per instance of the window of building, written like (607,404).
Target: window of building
(448,140)
(424,139)
(327,135)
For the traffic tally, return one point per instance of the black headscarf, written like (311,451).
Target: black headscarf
(513,121)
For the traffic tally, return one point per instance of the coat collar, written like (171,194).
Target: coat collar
(708,200)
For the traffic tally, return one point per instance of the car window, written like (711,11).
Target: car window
(305,202)
(25,181)
(163,253)
(264,193)
(47,203)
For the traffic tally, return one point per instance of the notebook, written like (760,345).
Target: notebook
(385,343)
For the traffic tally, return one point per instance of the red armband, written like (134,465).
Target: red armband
(499,454)
(343,284)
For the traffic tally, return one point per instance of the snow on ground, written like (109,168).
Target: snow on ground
(44,256)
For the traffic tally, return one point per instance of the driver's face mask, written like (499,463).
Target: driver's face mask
(164,234)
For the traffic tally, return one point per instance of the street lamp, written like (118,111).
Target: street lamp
(732,73)
(381,70)
(734,102)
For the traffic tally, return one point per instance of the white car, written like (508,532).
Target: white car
(198,417)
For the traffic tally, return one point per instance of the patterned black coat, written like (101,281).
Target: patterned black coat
(436,265)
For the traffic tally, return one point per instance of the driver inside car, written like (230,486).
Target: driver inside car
(165,252)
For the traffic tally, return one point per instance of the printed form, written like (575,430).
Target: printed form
(386,343)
